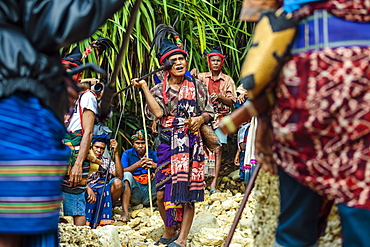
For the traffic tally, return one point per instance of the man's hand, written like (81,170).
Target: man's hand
(264,146)
(91,197)
(242,97)
(194,123)
(237,159)
(114,145)
(137,83)
(148,163)
(194,73)
(75,175)
(154,127)
(215,97)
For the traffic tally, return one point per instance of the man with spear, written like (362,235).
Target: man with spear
(180,172)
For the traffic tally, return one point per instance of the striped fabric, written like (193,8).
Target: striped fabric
(73,140)
(33,160)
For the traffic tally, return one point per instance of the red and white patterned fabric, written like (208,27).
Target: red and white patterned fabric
(321,123)
(352,10)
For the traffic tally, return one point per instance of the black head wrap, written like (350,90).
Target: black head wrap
(101,138)
(73,58)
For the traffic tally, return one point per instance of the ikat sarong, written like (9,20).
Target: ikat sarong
(183,159)
(104,216)
(33,160)
(73,140)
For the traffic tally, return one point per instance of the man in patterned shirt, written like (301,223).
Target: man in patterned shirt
(221,87)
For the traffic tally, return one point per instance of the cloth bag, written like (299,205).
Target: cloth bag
(250,157)
(269,50)
(209,137)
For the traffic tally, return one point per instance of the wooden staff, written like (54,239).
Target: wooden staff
(248,191)
(165,67)
(147,154)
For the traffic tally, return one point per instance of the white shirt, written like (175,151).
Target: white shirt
(87,101)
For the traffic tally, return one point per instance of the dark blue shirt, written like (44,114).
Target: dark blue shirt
(130,157)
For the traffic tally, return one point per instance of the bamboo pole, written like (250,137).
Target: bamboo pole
(146,153)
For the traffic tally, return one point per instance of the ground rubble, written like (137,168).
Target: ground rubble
(212,221)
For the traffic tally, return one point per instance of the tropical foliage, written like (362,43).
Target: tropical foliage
(203,24)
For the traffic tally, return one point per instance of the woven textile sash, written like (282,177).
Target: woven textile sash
(187,154)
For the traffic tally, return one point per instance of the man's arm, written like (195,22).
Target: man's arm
(135,166)
(152,103)
(88,125)
(227,100)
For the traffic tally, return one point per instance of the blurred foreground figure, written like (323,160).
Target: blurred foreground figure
(33,99)
(320,135)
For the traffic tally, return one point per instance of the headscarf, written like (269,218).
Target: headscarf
(73,58)
(164,46)
(216,51)
(138,135)
(101,138)
(167,49)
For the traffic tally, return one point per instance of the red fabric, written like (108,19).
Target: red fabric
(322,123)
(354,10)
(214,86)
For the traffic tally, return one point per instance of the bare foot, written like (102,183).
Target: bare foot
(124,218)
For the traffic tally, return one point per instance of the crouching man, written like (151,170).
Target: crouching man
(100,198)
(136,179)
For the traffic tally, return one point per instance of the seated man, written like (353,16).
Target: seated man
(136,165)
(95,182)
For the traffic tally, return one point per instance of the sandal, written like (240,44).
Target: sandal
(173,244)
(166,241)
(211,192)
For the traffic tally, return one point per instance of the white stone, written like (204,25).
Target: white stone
(108,235)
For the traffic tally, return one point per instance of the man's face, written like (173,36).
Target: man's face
(179,66)
(98,149)
(215,63)
(139,146)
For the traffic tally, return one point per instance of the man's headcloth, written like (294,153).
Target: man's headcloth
(138,135)
(164,46)
(216,51)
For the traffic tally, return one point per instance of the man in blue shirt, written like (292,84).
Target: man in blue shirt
(136,165)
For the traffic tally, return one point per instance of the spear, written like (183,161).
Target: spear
(109,88)
(248,191)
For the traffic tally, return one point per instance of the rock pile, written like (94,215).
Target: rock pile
(211,225)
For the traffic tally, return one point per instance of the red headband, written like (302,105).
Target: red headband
(70,63)
(170,52)
(216,54)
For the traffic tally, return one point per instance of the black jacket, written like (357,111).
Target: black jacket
(31,34)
